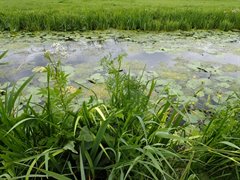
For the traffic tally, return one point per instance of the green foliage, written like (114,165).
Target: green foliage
(132,134)
(127,93)
(135,15)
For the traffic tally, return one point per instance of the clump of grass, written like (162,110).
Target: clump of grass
(129,135)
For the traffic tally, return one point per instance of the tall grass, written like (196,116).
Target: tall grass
(130,135)
(153,19)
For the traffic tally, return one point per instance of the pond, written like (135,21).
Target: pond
(184,61)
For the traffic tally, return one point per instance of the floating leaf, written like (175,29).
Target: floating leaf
(196,83)
(223,85)
(68,69)
(188,99)
(208,90)
(225,78)
(193,84)
(97,78)
(200,94)
(194,65)
(42,78)
(219,97)
(196,116)
(162,82)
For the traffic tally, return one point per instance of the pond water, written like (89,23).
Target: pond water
(182,58)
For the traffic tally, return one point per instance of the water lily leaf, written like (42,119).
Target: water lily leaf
(194,65)
(152,74)
(32,90)
(21,81)
(200,94)
(162,82)
(196,83)
(80,81)
(36,99)
(68,69)
(175,90)
(98,69)
(5,85)
(225,78)
(97,78)
(213,69)
(230,93)
(42,78)
(192,131)
(208,90)
(196,116)
(188,99)
(230,68)
(205,81)
(193,84)
(219,97)
(223,85)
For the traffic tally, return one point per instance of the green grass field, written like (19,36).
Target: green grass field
(76,5)
(68,15)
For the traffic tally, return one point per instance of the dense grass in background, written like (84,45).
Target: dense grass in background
(69,15)
(130,135)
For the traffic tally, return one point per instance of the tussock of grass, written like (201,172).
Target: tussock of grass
(128,136)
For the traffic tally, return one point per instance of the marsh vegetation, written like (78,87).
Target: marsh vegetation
(64,117)
(130,134)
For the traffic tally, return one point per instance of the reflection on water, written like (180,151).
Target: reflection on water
(226,58)
(159,51)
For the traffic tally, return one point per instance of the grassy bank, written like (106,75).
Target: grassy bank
(132,134)
(66,15)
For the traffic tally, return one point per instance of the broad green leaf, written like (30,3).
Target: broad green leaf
(85,135)
(70,146)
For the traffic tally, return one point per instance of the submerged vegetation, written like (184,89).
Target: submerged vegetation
(128,135)
(154,15)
